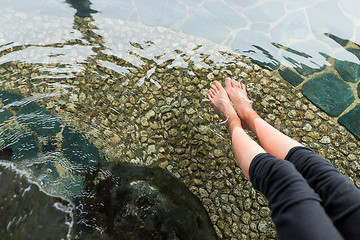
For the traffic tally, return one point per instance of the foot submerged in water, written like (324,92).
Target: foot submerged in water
(220,101)
(236,92)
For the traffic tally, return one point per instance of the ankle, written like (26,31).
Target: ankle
(233,122)
(248,119)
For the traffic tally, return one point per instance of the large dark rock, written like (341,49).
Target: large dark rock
(351,121)
(291,76)
(79,151)
(27,212)
(11,99)
(330,93)
(5,114)
(302,68)
(39,119)
(138,202)
(349,71)
(23,143)
(6,153)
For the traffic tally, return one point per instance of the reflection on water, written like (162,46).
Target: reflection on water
(83,7)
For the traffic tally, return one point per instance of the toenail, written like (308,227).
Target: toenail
(215,81)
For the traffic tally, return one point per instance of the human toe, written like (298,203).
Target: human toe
(228,83)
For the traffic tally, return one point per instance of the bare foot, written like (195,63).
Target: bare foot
(220,101)
(237,94)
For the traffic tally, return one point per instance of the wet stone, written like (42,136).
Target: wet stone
(354,51)
(329,93)
(351,121)
(39,119)
(273,64)
(25,146)
(10,98)
(79,151)
(304,69)
(342,42)
(139,202)
(290,76)
(349,71)
(27,211)
(49,146)
(4,115)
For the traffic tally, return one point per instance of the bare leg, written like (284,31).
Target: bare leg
(244,147)
(272,140)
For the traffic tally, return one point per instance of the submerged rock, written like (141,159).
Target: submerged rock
(138,202)
(324,90)
(27,212)
(6,153)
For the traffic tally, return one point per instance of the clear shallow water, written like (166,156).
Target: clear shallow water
(115,78)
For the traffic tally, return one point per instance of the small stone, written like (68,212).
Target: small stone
(292,114)
(265,211)
(173,132)
(220,224)
(257,68)
(298,104)
(247,204)
(314,135)
(190,111)
(309,115)
(151,149)
(208,186)
(210,76)
(113,117)
(203,129)
(307,127)
(352,157)
(71,107)
(190,88)
(323,115)
(115,138)
(325,140)
(227,208)
(323,128)
(218,153)
(150,114)
(202,150)
(245,218)
(355,166)
(203,193)
(263,226)
(24,72)
(164,164)
(184,163)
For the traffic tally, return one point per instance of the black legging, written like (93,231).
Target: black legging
(308,197)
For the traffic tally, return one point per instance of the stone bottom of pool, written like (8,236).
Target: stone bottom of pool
(73,130)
